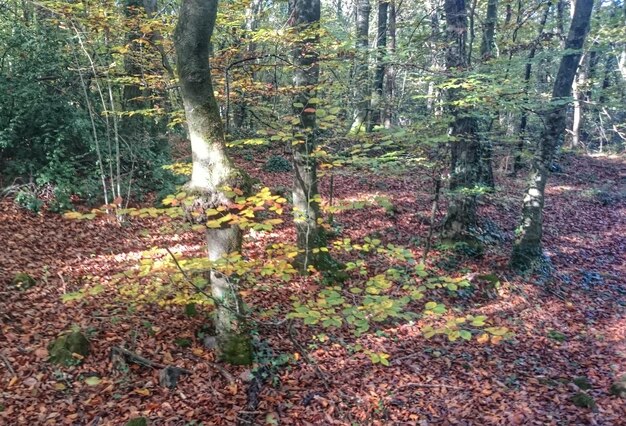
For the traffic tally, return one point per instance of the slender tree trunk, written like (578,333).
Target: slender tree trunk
(433,95)
(133,96)
(472,32)
(390,73)
(488,51)
(311,238)
(212,170)
(528,250)
(517,165)
(379,76)
(488,45)
(252,12)
(578,95)
(461,220)
(361,72)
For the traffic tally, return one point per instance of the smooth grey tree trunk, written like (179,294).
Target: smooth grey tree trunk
(212,170)
(305,16)
(361,71)
(390,72)
(528,249)
(517,165)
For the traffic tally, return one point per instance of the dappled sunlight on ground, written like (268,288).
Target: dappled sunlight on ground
(572,326)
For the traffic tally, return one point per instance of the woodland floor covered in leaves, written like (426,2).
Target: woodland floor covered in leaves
(570,327)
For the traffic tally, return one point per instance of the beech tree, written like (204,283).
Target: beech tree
(461,220)
(311,239)
(361,72)
(212,170)
(528,250)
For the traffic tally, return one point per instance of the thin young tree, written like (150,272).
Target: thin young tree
(527,251)
(379,75)
(465,149)
(311,238)
(212,169)
(361,70)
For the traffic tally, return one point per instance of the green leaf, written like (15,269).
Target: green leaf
(466,335)
(93,381)
(430,305)
(479,321)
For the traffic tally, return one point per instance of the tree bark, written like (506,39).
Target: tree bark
(390,73)
(311,238)
(212,169)
(517,165)
(361,71)
(528,250)
(461,219)
(379,76)
(488,45)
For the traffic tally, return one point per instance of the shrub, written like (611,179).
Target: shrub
(277,164)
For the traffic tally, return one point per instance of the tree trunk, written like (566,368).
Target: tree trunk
(390,73)
(311,239)
(488,51)
(528,250)
(361,72)
(461,219)
(379,76)
(517,165)
(578,94)
(488,45)
(212,169)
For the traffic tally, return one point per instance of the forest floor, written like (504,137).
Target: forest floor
(569,327)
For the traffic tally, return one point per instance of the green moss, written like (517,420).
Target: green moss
(583,400)
(582,382)
(277,164)
(618,388)
(137,421)
(61,349)
(235,349)
(183,342)
(23,281)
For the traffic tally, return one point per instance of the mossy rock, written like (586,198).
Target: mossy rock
(63,348)
(583,400)
(22,281)
(137,421)
(618,388)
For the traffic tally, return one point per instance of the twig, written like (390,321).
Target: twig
(138,359)
(8,365)
(305,353)
(428,385)
(223,372)
(217,303)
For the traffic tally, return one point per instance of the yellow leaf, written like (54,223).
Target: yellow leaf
(143,391)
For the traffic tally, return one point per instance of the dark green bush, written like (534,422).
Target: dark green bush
(277,164)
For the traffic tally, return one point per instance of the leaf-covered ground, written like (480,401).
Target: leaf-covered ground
(570,327)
